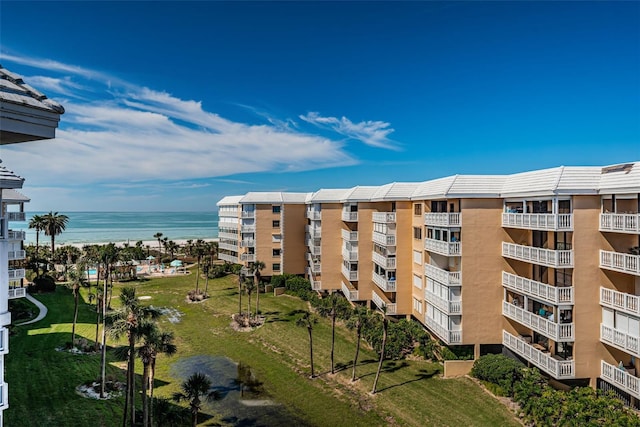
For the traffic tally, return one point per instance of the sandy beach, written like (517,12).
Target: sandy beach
(152,243)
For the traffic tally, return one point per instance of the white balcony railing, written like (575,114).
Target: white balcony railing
(381,304)
(559,369)
(248,257)
(4,395)
(620,301)
(384,283)
(350,293)
(442,247)
(450,307)
(352,276)
(15,216)
(248,243)
(384,217)
(17,293)
(16,273)
(547,293)
(559,332)
(388,263)
(538,221)
(443,219)
(314,232)
(227,235)
(248,228)
(349,255)
(315,250)
(314,215)
(16,235)
(349,216)
(15,255)
(248,214)
(316,285)
(448,278)
(314,268)
(620,339)
(541,256)
(384,239)
(349,236)
(449,336)
(620,223)
(227,246)
(4,340)
(620,378)
(624,263)
(228,257)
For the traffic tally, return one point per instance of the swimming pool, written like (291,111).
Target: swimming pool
(92,272)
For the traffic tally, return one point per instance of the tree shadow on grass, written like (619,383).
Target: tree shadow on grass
(422,374)
(388,366)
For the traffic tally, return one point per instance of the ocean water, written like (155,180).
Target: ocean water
(103,227)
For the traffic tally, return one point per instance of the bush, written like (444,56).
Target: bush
(498,369)
(278,281)
(43,283)
(298,286)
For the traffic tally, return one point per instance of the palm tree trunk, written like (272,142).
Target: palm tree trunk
(355,358)
(313,373)
(75,317)
(152,374)
(37,253)
(131,375)
(103,359)
(249,305)
(384,342)
(239,295)
(98,304)
(333,339)
(257,298)
(198,276)
(145,397)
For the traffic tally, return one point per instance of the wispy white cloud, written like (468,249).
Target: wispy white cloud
(373,133)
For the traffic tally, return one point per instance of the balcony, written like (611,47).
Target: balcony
(384,239)
(352,276)
(350,254)
(17,293)
(541,256)
(248,243)
(443,219)
(314,269)
(620,378)
(384,217)
(248,228)
(442,247)
(559,332)
(447,335)
(540,221)
(227,235)
(350,292)
(4,340)
(558,369)
(313,215)
(381,303)
(620,223)
(248,257)
(349,216)
(227,246)
(16,273)
(386,262)
(448,278)
(620,301)
(16,255)
(228,257)
(15,216)
(450,307)
(546,293)
(384,283)
(314,232)
(620,340)
(316,285)
(349,236)
(248,214)
(16,235)
(315,250)
(4,395)
(624,263)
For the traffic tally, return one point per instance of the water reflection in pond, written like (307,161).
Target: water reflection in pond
(243,399)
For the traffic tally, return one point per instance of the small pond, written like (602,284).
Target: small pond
(243,399)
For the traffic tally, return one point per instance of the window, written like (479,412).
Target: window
(417,257)
(276,223)
(417,233)
(417,209)
(417,281)
(275,267)
(276,252)
(417,305)
(275,209)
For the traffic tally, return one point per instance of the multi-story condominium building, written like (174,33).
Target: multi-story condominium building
(25,115)
(543,265)
(252,228)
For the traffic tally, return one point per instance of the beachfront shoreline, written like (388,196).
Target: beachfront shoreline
(153,244)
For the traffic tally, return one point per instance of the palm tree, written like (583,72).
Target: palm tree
(195,388)
(333,306)
(249,287)
(258,266)
(155,341)
(307,320)
(107,256)
(54,224)
(168,414)
(77,280)
(158,236)
(241,278)
(385,327)
(198,251)
(359,318)
(37,223)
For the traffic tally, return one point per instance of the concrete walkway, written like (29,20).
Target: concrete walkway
(41,307)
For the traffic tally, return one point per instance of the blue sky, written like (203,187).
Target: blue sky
(172,105)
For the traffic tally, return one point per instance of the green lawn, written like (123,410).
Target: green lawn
(42,380)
